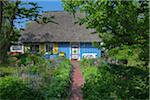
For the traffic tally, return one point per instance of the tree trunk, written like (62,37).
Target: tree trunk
(1,14)
(1,17)
(3,53)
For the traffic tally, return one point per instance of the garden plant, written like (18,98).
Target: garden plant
(41,80)
(119,82)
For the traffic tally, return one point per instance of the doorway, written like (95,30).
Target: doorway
(75,51)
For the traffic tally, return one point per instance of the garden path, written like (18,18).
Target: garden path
(77,82)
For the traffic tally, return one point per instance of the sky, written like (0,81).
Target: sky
(47,5)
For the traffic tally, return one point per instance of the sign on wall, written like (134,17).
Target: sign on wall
(89,55)
(17,48)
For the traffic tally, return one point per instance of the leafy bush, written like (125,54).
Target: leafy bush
(7,70)
(98,84)
(33,70)
(30,59)
(114,82)
(90,62)
(131,54)
(60,82)
(14,88)
(39,81)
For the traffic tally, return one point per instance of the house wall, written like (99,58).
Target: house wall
(86,48)
(42,48)
(65,47)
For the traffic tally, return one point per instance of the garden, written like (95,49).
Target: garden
(107,81)
(123,30)
(35,78)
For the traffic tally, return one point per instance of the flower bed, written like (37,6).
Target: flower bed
(43,80)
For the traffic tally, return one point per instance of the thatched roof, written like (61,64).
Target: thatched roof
(64,31)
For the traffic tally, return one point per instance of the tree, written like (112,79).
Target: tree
(11,11)
(119,23)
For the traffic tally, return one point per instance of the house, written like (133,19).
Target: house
(62,39)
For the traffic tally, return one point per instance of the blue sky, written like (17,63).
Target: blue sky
(47,5)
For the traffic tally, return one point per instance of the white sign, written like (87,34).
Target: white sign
(75,56)
(89,55)
(17,48)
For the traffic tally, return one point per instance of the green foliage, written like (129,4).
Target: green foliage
(33,69)
(24,59)
(115,82)
(86,62)
(39,81)
(15,88)
(129,53)
(104,16)
(7,70)
(117,22)
(10,13)
(11,88)
(28,59)
(60,83)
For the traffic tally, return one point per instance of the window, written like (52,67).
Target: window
(49,48)
(34,48)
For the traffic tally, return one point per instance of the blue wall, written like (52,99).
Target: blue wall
(84,48)
(64,47)
(88,48)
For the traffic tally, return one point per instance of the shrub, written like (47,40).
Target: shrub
(99,84)
(115,82)
(41,81)
(30,59)
(90,62)
(33,70)
(130,54)
(13,88)
(7,70)
(58,87)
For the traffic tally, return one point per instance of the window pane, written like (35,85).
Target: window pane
(16,48)
(49,47)
(46,48)
(34,48)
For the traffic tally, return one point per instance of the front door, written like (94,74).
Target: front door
(75,51)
